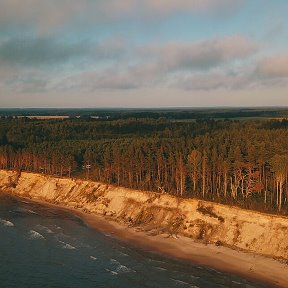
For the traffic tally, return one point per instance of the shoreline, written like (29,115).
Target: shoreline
(251,266)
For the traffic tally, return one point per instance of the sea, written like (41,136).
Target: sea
(45,247)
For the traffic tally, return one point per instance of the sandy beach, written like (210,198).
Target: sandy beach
(250,243)
(250,266)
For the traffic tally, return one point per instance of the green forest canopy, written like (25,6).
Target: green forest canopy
(243,163)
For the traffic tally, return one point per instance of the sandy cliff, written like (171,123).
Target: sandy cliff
(159,213)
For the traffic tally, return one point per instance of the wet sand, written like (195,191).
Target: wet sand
(250,266)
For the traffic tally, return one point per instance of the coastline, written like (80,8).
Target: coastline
(257,268)
(250,244)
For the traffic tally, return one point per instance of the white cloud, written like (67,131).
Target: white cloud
(273,67)
(49,51)
(117,64)
(200,55)
(219,63)
(211,81)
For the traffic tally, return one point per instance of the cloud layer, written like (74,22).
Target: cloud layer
(220,63)
(55,13)
(83,47)
(200,55)
(274,67)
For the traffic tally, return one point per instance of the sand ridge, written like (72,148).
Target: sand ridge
(186,229)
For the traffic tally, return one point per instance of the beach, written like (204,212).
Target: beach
(251,266)
(250,244)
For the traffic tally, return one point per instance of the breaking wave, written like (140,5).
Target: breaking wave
(6,223)
(111,272)
(123,269)
(119,268)
(67,246)
(114,261)
(44,229)
(34,235)
(123,254)
(24,210)
(179,282)
(159,268)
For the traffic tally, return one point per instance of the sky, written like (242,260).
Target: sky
(135,53)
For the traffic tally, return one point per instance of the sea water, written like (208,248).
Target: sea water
(45,247)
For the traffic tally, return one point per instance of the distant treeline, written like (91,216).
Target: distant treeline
(240,163)
(173,113)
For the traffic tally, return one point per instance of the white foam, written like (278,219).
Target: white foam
(24,210)
(67,246)
(159,268)
(22,201)
(44,229)
(179,282)
(123,269)
(80,244)
(49,231)
(119,268)
(6,223)
(35,235)
(112,272)
(114,261)
(157,261)
(123,254)
(31,211)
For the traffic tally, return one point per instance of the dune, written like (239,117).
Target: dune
(251,244)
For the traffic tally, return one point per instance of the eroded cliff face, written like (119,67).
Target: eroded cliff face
(158,213)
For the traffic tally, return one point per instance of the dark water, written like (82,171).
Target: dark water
(43,247)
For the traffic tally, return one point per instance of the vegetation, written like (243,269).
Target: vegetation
(168,113)
(242,163)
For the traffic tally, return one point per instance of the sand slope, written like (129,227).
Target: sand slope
(230,226)
(164,215)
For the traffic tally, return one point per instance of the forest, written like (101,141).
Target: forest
(240,163)
(183,113)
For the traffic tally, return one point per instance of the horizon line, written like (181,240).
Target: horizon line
(153,108)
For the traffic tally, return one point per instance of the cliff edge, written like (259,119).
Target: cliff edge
(158,213)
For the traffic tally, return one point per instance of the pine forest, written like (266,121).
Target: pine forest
(240,163)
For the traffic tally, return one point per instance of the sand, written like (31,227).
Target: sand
(240,229)
(257,268)
(256,238)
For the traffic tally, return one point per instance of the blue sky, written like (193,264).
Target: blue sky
(132,53)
